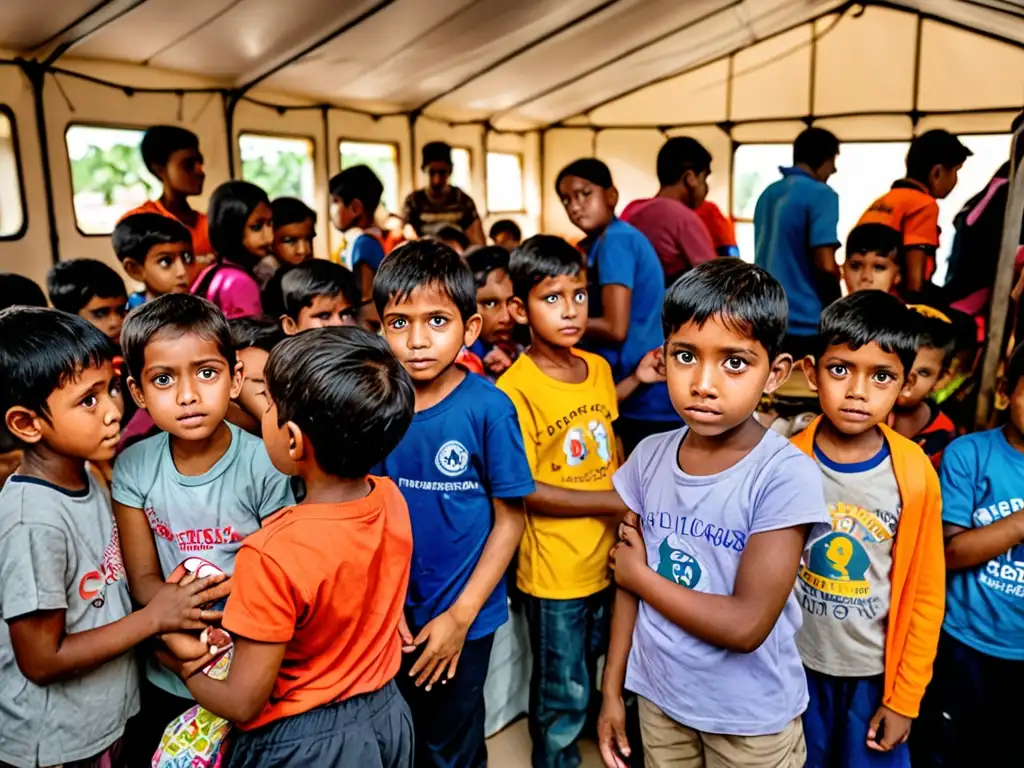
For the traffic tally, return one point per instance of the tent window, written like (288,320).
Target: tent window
(12,200)
(281,165)
(504,182)
(108,177)
(382,158)
(462,169)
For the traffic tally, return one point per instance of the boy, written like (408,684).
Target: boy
(970,714)
(294,232)
(196,489)
(156,251)
(720,228)
(873,259)
(91,290)
(506,234)
(495,347)
(911,207)
(172,155)
(318,593)
(872,579)
(355,197)
(463,470)
(915,415)
(253,341)
(451,236)
(318,294)
(66,663)
(724,506)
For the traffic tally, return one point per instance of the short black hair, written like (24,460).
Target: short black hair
(423,263)
(19,291)
(814,147)
(505,227)
(1014,369)
(738,294)
(589,169)
(291,210)
(485,260)
(931,148)
(358,183)
(875,238)
(935,330)
(135,235)
(161,141)
(679,155)
(73,284)
(436,152)
(541,257)
(259,332)
(870,316)
(449,233)
(317,277)
(348,394)
(177,312)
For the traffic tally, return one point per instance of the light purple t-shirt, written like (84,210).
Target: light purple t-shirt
(695,529)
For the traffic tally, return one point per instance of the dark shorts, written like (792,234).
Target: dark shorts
(373,730)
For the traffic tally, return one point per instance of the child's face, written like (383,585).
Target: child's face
(186,384)
(506,240)
(258,235)
(343,216)
(252,396)
(107,315)
(293,243)
(928,368)
(324,312)
(492,302)
(556,309)
(943,180)
(590,207)
(169,268)
(426,332)
(184,172)
(716,375)
(857,388)
(871,271)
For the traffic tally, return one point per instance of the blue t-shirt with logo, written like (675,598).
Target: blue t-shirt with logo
(455,458)
(367,250)
(982,479)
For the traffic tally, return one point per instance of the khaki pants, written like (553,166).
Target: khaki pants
(667,744)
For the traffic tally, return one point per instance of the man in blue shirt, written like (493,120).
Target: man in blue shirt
(795,237)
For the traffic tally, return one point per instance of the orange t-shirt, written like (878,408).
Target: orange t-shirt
(329,581)
(200,232)
(910,209)
(721,229)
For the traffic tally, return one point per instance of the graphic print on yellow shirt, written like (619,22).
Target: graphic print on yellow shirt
(567,432)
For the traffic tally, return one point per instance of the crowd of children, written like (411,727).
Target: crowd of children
(280,505)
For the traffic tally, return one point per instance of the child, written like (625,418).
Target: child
(911,207)
(915,415)
(66,663)
(294,232)
(463,470)
(318,593)
(253,341)
(156,251)
(724,507)
(451,236)
(318,294)
(872,579)
(196,489)
(172,155)
(91,290)
(495,347)
(970,713)
(506,234)
(355,197)
(873,259)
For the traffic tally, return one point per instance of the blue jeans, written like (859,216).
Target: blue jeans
(567,638)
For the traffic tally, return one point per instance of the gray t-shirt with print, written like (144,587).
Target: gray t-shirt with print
(843,583)
(204,515)
(59,550)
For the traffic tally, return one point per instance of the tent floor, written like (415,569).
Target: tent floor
(510,748)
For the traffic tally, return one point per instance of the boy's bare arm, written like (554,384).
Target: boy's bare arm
(970,547)
(242,695)
(139,551)
(565,502)
(916,260)
(611,725)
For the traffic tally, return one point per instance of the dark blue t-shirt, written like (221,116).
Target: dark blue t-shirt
(367,250)
(454,459)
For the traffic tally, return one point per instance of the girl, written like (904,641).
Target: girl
(241,233)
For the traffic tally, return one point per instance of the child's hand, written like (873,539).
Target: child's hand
(183,669)
(894,727)
(497,361)
(444,636)
(178,606)
(629,557)
(408,646)
(651,368)
(611,733)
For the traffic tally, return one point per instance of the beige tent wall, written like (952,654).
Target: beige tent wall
(527,145)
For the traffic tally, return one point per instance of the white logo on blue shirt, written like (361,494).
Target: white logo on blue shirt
(452,459)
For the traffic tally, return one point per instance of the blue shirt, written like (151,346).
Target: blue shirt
(367,250)
(454,459)
(136,300)
(795,215)
(982,479)
(622,255)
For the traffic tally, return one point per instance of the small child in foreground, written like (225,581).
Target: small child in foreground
(318,294)
(156,251)
(873,259)
(91,290)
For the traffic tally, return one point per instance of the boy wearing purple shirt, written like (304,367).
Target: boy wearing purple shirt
(704,610)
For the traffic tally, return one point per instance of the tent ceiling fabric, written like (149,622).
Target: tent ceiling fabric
(537,62)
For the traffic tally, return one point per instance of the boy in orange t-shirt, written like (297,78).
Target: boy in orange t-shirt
(318,592)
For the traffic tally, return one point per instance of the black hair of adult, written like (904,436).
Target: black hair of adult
(1014,369)
(421,264)
(317,277)
(814,147)
(231,205)
(19,291)
(870,316)
(482,261)
(936,333)
(587,168)
(932,148)
(505,227)
(436,152)
(741,296)
(357,183)
(174,314)
(73,284)
(348,394)
(161,141)
(679,155)
(541,257)
(875,238)
(449,233)
(291,210)
(259,332)
(43,350)
(135,235)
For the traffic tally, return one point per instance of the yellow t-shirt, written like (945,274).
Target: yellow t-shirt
(567,431)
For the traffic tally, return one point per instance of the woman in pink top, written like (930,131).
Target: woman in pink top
(241,233)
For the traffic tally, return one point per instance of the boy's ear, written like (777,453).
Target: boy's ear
(611,196)
(810,372)
(289,326)
(24,424)
(134,269)
(782,367)
(136,392)
(908,384)
(472,331)
(296,442)
(236,380)
(517,309)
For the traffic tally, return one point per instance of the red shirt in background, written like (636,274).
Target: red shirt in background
(723,233)
(677,234)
